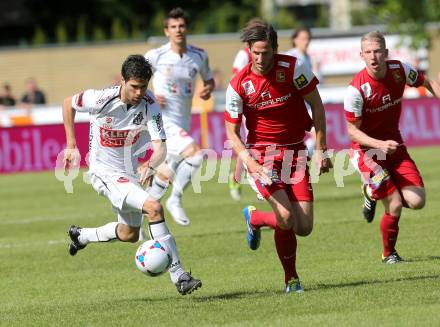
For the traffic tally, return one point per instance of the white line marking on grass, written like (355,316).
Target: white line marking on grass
(30,244)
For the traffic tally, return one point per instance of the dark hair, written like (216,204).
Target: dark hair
(175,13)
(299,30)
(259,30)
(136,67)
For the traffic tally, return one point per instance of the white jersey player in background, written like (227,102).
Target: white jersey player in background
(242,58)
(175,66)
(301,38)
(123,120)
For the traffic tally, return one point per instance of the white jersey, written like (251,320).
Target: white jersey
(242,58)
(119,134)
(305,58)
(174,78)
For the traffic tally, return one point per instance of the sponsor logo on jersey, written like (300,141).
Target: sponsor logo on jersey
(397,76)
(384,107)
(111,138)
(138,118)
(123,180)
(301,81)
(412,75)
(157,122)
(394,66)
(265,95)
(188,88)
(248,87)
(171,87)
(104,100)
(386,98)
(108,120)
(283,64)
(280,76)
(269,102)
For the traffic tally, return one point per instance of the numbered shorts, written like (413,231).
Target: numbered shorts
(125,194)
(385,174)
(288,170)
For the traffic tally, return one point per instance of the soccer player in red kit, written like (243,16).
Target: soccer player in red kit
(372,106)
(270,93)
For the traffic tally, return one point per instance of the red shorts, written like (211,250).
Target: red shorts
(289,171)
(394,171)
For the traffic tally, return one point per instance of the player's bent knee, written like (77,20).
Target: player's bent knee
(153,209)
(285,220)
(190,151)
(164,173)
(417,204)
(128,234)
(195,160)
(304,230)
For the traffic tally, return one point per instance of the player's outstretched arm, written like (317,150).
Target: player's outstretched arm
(71,153)
(148,168)
(314,100)
(356,135)
(432,86)
(252,166)
(208,87)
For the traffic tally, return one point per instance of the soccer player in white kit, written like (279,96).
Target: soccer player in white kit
(123,120)
(301,38)
(176,65)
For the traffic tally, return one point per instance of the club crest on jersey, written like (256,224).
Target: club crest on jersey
(280,76)
(248,87)
(397,77)
(301,81)
(412,75)
(138,118)
(193,73)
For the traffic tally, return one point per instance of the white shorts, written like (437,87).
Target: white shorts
(125,194)
(177,140)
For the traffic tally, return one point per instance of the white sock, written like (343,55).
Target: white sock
(184,172)
(159,231)
(104,233)
(142,236)
(158,188)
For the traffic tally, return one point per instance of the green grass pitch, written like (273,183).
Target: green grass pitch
(339,263)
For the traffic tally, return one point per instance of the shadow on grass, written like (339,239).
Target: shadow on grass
(319,287)
(211,298)
(427,258)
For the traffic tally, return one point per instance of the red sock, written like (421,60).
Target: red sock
(285,242)
(389,226)
(263,218)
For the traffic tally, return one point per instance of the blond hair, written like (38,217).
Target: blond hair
(374,36)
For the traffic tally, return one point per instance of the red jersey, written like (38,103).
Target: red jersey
(378,102)
(273,104)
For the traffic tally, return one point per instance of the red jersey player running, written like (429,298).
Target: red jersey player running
(372,105)
(270,93)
